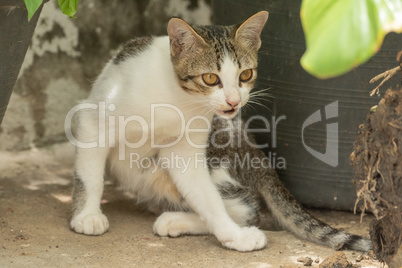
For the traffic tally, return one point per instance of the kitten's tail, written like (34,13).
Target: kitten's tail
(294,218)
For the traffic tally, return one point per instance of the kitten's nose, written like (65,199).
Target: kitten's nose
(233,103)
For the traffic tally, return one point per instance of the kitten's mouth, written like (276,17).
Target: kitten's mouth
(227,113)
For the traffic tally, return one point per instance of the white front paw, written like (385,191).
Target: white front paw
(245,239)
(90,224)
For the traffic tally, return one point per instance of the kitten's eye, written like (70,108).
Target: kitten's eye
(246,75)
(210,79)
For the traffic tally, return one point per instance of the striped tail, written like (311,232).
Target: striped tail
(294,218)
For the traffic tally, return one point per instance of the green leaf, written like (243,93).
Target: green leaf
(341,34)
(68,7)
(32,6)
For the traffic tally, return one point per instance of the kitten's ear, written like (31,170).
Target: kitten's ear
(249,31)
(183,38)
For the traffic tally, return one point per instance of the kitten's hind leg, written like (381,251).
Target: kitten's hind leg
(174,224)
(239,202)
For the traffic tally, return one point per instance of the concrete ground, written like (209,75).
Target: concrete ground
(35,204)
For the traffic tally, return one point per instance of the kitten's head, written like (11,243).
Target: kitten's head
(219,62)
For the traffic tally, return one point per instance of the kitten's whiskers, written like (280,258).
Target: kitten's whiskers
(257,97)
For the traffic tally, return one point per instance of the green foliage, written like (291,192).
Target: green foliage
(341,34)
(68,7)
(32,6)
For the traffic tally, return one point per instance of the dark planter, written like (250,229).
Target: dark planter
(314,142)
(15,36)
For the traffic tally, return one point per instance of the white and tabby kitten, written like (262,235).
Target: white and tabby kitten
(163,94)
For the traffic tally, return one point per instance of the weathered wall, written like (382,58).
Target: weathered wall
(66,55)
